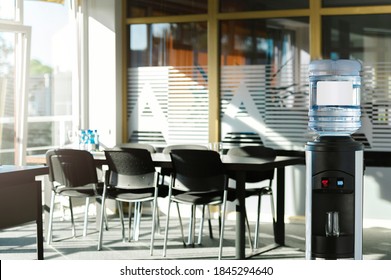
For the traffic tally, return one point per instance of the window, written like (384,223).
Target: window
(14,57)
(50,80)
(8,10)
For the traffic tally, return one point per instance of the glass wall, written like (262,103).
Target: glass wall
(367,38)
(261,65)
(145,8)
(260,52)
(261,5)
(263,82)
(168,83)
(350,3)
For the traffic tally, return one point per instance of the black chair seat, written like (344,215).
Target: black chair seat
(82,191)
(199,198)
(130,195)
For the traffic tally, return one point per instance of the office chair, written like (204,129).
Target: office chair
(132,178)
(166,172)
(138,205)
(257,177)
(72,173)
(198,178)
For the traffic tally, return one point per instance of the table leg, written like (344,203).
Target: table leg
(39,222)
(279,229)
(240,216)
(47,190)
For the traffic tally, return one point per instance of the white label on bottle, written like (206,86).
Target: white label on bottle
(337,93)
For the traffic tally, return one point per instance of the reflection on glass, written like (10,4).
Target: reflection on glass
(261,5)
(168,83)
(145,8)
(350,3)
(367,38)
(168,44)
(361,37)
(264,89)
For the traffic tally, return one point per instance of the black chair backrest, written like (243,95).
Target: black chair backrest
(256,152)
(71,168)
(130,168)
(170,148)
(145,146)
(198,170)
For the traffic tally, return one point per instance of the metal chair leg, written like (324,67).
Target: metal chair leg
(201,226)
(210,224)
(86,216)
(140,211)
(181,225)
(222,226)
(72,219)
(157,226)
(191,226)
(50,226)
(137,219)
(273,212)
(106,220)
(256,237)
(249,231)
(154,214)
(166,231)
(102,215)
(121,217)
(132,230)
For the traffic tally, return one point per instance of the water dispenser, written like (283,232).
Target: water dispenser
(334,162)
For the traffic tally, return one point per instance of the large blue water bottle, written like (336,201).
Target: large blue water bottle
(335,88)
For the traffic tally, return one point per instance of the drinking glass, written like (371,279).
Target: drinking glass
(217,147)
(73,136)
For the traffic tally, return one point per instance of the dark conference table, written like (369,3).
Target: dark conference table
(241,165)
(21,198)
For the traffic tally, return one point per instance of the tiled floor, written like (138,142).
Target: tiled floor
(19,243)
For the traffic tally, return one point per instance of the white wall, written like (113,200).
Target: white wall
(377,197)
(105,69)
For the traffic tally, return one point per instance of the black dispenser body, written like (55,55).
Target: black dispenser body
(334,198)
